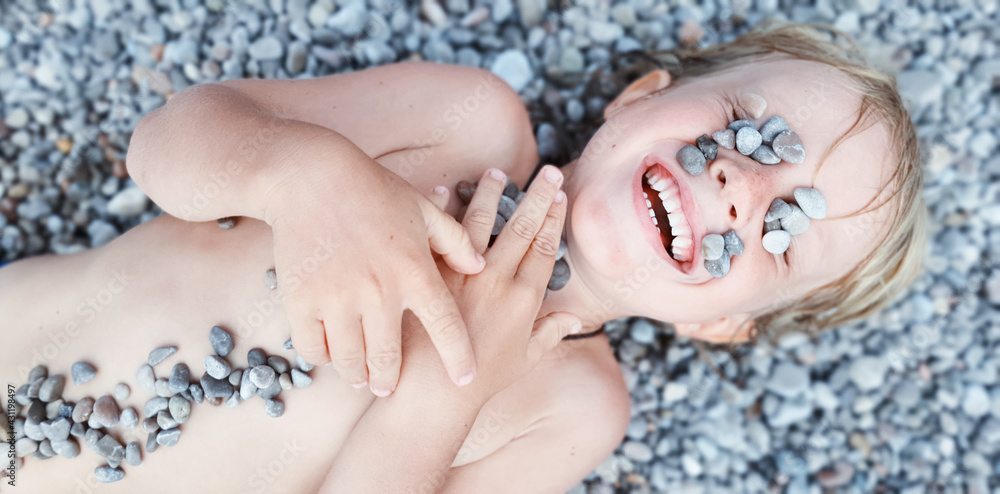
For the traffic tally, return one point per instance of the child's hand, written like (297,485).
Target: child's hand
(351,257)
(501,303)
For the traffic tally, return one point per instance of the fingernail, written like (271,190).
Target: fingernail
(440,190)
(575,328)
(466,378)
(480,259)
(560,197)
(381,393)
(360,385)
(552,174)
(496,174)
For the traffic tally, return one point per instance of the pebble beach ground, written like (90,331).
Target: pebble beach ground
(907,401)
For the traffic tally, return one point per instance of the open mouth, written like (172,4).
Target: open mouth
(663,202)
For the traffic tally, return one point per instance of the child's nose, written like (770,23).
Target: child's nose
(745,189)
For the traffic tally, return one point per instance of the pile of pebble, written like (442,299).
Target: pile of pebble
(48,425)
(907,401)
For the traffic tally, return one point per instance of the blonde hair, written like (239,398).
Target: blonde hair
(885,272)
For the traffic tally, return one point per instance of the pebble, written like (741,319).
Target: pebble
(78,430)
(234,400)
(158,355)
(36,412)
(733,243)
(145,378)
(778,209)
(52,388)
(753,103)
(266,48)
(52,409)
(725,138)
(216,388)
(506,207)
(168,438)
(33,430)
(976,402)
(788,145)
(262,376)
(128,202)
(274,408)
(107,474)
(109,447)
(24,447)
(34,387)
(83,409)
(235,377)
(465,191)
(106,410)
(712,246)
(180,378)
(226,223)
(128,418)
(56,430)
(271,391)
(303,365)
(82,372)
(796,222)
(691,159)
(221,340)
(67,448)
(247,388)
(740,124)
(197,394)
(867,372)
(707,146)
(271,279)
(217,367)
(278,363)
(165,421)
(288,345)
(91,437)
(788,380)
(748,140)
(154,406)
(764,154)
(133,455)
(256,357)
(719,267)
(285,380)
(776,241)
(811,201)
(180,409)
(122,392)
(772,128)
(637,451)
(560,275)
(498,224)
(300,379)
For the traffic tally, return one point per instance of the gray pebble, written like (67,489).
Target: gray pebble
(778,209)
(303,365)
(165,421)
(67,448)
(197,395)
(747,140)
(725,138)
(36,412)
(34,386)
(288,345)
(133,456)
(122,391)
(33,430)
(776,241)
(740,124)
(57,430)
(145,378)
(235,377)
(691,159)
(94,422)
(796,223)
(180,409)
(772,225)
(262,376)
(155,406)
(106,410)
(24,447)
(37,372)
(180,378)
(507,206)
(270,391)
(215,388)
(128,419)
(110,448)
(226,223)
(498,224)
(772,128)
(301,379)
(52,408)
(285,380)
(271,279)
(719,267)
(560,275)
(465,191)
(52,388)
(107,474)
(221,340)
(274,408)
(149,424)
(247,388)
(158,355)
(510,190)
(811,201)
(707,146)
(186,394)
(217,367)
(92,437)
(163,388)
(256,357)
(151,444)
(66,410)
(45,450)
(21,396)
(765,155)
(82,372)
(234,400)
(78,430)
(734,245)
(788,145)
(712,246)
(278,363)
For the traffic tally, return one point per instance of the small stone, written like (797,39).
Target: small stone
(740,124)
(247,388)
(122,391)
(94,423)
(37,372)
(778,209)
(266,48)
(33,430)
(719,267)
(712,246)
(747,140)
(110,448)
(149,424)
(507,206)
(796,222)
(285,380)
(772,225)
(221,340)
(788,145)
(976,402)
(82,372)
(155,406)
(465,191)
(725,138)
(106,410)
(67,448)
(165,421)
(831,478)
(498,224)
(107,474)
(811,201)
(235,377)
(691,159)
(145,378)
(52,388)
(707,146)
(788,380)
(180,409)
(867,372)
(21,396)
(52,409)
(303,365)
(151,444)
(128,419)
(514,68)
(36,412)
(774,126)
(56,430)
(92,437)
(34,386)
(753,103)
(160,354)
(301,379)
(256,357)
(776,241)
(186,394)
(226,223)
(274,408)
(234,400)
(510,190)
(765,155)
(180,378)
(78,430)
(734,245)
(217,367)
(278,363)
(24,447)
(216,388)
(83,409)
(560,275)
(271,279)
(133,456)
(262,376)
(637,451)
(197,394)
(271,391)
(288,345)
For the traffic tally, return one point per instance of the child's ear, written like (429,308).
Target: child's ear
(730,329)
(643,86)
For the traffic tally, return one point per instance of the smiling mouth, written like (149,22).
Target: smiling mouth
(663,202)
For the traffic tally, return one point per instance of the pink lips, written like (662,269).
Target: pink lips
(687,204)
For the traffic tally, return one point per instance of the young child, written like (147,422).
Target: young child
(169,280)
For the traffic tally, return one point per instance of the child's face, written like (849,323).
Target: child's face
(616,250)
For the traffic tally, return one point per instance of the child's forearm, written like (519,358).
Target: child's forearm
(212,152)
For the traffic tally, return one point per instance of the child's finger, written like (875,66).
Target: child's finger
(382,348)
(434,305)
(308,337)
(481,214)
(348,349)
(520,231)
(439,196)
(448,238)
(549,331)
(536,266)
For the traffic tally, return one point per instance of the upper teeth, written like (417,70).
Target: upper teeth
(683,244)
